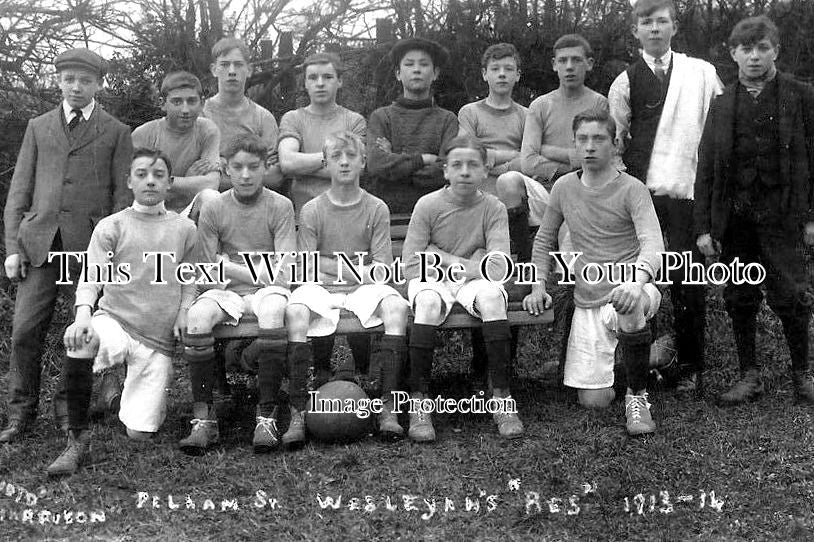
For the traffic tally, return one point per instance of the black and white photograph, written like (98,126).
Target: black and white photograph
(386,270)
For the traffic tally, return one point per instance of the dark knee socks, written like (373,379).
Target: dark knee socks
(272,346)
(300,359)
(633,350)
(497,336)
(79,386)
(388,357)
(322,348)
(422,347)
(519,231)
(199,354)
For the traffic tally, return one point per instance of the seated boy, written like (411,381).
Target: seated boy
(137,318)
(612,222)
(458,225)
(246,218)
(347,219)
(192,143)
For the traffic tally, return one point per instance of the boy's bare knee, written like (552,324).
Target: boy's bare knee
(272,311)
(203,315)
(393,311)
(87,350)
(428,307)
(491,304)
(600,398)
(636,319)
(510,188)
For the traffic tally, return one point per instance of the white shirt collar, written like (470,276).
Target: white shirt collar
(665,60)
(86,111)
(157,209)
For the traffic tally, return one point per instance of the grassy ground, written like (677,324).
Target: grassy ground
(588,478)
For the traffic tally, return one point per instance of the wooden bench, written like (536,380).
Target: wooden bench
(458,318)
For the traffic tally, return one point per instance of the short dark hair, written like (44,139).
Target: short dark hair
(155,154)
(343,140)
(498,51)
(249,143)
(467,142)
(573,40)
(225,45)
(325,57)
(645,8)
(595,115)
(176,80)
(753,29)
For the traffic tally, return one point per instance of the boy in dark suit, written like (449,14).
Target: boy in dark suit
(71,172)
(754,199)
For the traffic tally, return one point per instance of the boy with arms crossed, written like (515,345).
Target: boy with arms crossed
(547,151)
(247,218)
(405,140)
(236,114)
(460,225)
(754,199)
(138,320)
(612,221)
(70,173)
(347,219)
(189,140)
(660,104)
(303,131)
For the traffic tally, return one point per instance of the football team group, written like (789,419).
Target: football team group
(669,160)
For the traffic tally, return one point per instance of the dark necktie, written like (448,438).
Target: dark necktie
(659,71)
(76,120)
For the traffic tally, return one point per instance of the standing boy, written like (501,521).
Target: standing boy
(459,225)
(347,219)
(660,104)
(612,222)
(191,142)
(548,139)
(138,320)
(303,131)
(247,218)
(754,199)
(71,172)
(236,114)
(405,140)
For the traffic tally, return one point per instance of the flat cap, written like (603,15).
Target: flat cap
(439,54)
(81,58)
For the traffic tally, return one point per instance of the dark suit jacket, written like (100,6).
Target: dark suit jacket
(67,187)
(714,185)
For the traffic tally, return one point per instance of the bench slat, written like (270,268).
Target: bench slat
(348,323)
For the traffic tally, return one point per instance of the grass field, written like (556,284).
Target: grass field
(709,473)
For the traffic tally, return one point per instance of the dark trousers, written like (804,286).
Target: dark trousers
(788,293)
(689,304)
(33,311)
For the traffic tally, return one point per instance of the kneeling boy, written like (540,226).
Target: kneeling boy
(613,224)
(346,219)
(458,225)
(246,218)
(136,318)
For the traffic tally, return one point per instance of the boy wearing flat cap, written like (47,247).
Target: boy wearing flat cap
(190,141)
(405,139)
(71,172)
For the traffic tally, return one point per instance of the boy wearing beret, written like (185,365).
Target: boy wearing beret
(71,172)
